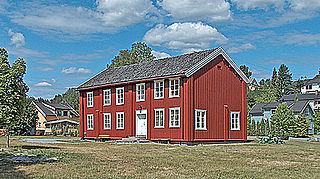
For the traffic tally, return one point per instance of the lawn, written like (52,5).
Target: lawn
(105,160)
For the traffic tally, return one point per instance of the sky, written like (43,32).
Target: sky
(66,42)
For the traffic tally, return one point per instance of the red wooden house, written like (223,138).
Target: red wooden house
(199,96)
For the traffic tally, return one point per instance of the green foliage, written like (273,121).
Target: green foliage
(12,89)
(282,121)
(265,95)
(270,140)
(71,97)
(254,131)
(316,121)
(263,127)
(138,53)
(268,129)
(301,126)
(249,126)
(283,82)
(246,71)
(274,77)
(258,129)
(27,121)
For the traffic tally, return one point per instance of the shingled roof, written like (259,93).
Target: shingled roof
(171,66)
(295,106)
(300,97)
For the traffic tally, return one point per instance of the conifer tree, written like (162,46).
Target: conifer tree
(316,122)
(263,127)
(274,77)
(258,128)
(249,130)
(301,126)
(283,82)
(282,121)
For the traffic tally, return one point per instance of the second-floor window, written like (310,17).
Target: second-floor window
(89,99)
(174,87)
(120,96)
(107,97)
(140,92)
(158,89)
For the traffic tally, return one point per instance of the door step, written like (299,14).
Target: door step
(134,139)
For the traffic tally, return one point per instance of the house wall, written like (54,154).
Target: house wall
(219,90)
(129,108)
(315,87)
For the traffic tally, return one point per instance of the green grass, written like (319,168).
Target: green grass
(102,160)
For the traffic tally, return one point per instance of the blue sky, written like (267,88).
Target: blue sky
(67,42)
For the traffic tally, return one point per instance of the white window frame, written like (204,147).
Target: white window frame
(173,120)
(159,91)
(157,111)
(237,122)
(174,85)
(90,103)
(202,120)
(107,97)
(117,95)
(106,121)
(90,125)
(140,92)
(119,126)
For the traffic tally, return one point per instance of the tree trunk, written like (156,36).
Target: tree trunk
(8,136)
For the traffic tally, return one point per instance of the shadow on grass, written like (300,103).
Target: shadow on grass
(29,147)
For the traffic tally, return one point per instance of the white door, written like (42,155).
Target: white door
(141,123)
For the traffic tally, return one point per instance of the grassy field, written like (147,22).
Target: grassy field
(103,160)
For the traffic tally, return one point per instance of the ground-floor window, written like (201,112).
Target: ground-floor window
(120,120)
(90,121)
(107,120)
(200,119)
(159,118)
(174,117)
(235,120)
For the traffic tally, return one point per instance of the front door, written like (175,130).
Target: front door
(141,123)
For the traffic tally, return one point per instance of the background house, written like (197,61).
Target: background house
(310,85)
(61,117)
(313,99)
(265,110)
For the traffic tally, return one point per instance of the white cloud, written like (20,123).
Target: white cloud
(53,80)
(17,39)
(43,84)
(121,13)
(160,54)
(3,5)
(260,74)
(73,70)
(301,5)
(73,21)
(241,48)
(212,10)
(184,36)
(258,4)
(25,52)
(301,39)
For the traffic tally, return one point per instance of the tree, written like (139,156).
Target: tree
(27,122)
(12,90)
(249,126)
(282,121)
(316,121)
(138,53)
(268,129)
(301,126)
(266,95)
(246,71)
(274,77)
(254,129)
(263,127)
(71,97)
(283,82)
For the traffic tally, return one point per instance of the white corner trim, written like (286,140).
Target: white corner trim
(212,56)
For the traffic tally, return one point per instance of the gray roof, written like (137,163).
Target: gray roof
(155,68)
(301,97)
(43,109)
(296,106)
(59,106)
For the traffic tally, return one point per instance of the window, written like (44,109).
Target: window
(90,122)
(159,118)
(140,92)
(59,113)
(201,119)
(235,120)
(89,99)
(120,120)
(65,113)
(158,89)
(273,111)
(107,120)
(107,97)
(309,87)
(174,117)
(120,96)
(39,125)
(174,88)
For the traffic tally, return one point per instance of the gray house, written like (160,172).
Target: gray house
(265,110)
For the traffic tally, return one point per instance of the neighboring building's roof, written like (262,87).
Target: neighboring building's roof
(43,109)
(186,64)
(300,97)
(296,106)
(61,121)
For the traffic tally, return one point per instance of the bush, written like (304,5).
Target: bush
(270,140)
